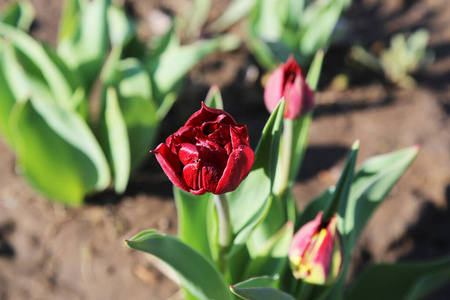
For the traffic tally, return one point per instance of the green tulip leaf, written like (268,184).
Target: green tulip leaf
(14,87)
(399,280)
(40,64)
(196,273)
(139,111)
(196,17)
(371,184)
(260,288)
(339,199)
(83,42)
(169,68)
(428,284)
(18,14)
(57,152)
(271,259)
(115,140)
(214,98)
(235,11)
(192,214)
(249,203)
(312,79)
(319,21)
(121,29)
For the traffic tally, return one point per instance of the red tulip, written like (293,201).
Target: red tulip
(315,253)
(289,82)
(210,153)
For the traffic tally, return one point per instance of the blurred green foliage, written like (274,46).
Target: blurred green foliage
(82,117)
(404,57)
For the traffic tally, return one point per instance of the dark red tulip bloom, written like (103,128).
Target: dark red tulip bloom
(210,153)
(289,82)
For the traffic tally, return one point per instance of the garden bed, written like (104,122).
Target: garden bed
(51,252)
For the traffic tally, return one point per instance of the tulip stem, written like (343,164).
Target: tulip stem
(283,180)
(224,238)
(305,290)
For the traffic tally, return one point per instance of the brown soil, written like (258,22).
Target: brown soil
(51,252)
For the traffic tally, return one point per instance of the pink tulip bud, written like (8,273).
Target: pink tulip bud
(315,253)
(289,82)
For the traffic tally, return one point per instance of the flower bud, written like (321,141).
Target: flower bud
(289,82)
(315,253)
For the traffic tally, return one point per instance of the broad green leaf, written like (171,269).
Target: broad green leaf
(70,18)
(214,98)
(427,284)
(261,288)
(271,259)
(261,51)
(235,11)
(84,47)
(371,184)
(57,152)
(266,22)
(18,14)
(8,99)
(13,73)
(318,23)
(169,68)
(121,29)
(139,111)
(192,214)
(196,17)
(195,272)
(115,140)
(396,281)
(250,201)
(36,61)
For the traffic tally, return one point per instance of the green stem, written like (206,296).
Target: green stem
(283,180)
(225,234)
(304,292)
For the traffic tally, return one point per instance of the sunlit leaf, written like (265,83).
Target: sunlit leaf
(57,152)
(115,140)
(261,288)
(196,273)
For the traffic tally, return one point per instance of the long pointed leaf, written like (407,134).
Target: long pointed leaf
(395,281)
(260,288)
(195,272)
(251,198)
(371,184)
(115,143)
(57,152)
(41,62)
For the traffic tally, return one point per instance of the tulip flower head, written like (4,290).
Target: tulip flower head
(288,81)
(315,253)
(210,153)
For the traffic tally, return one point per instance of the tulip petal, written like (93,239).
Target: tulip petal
(170,166)
(293,93)
(210,177)
(301,239)
(237,139)
(207,114)
(191,176)
(238,166)
(188,153)
(273,92)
